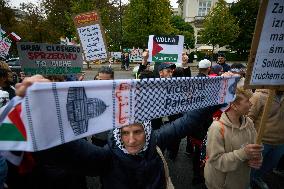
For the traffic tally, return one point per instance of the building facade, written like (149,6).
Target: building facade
(194,11)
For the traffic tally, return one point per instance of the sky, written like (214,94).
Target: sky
(17,2)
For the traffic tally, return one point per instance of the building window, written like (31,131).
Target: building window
(204,7)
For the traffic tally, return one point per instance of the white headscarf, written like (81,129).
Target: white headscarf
(118,141)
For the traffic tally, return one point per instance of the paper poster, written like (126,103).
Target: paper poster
(165,48)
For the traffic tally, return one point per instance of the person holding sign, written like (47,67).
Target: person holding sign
(130,159)
(273,137)
(231,148)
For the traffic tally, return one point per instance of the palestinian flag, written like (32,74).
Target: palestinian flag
(12,127)
(165,48)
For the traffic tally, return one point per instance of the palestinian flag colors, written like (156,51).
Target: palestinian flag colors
(165,48)
(12,128)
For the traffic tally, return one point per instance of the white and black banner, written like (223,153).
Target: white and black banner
(56,113)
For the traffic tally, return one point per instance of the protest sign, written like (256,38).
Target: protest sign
(5,44)
(91,35)
(266,62)
(116,55)
(73,110)
(165,48)
(136,55)
(49,59)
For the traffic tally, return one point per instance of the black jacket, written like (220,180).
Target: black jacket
(117,169)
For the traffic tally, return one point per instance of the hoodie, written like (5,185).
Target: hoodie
(227,164)
(274,126)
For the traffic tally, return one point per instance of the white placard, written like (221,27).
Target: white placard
(92,42)
(116,55)
(268,67)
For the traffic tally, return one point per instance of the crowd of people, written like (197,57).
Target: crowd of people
(132,156)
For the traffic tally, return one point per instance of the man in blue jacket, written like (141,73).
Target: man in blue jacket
(222,62)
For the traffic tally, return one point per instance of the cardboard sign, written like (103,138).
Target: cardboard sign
(50,59)
(91,35)
(266,62)
(165,48)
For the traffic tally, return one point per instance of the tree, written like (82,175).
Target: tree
(143,18)
(33,26)
(183,28)
(57,13)
(7,15)
(245,12)
(220,27)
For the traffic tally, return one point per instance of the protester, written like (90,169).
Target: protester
(104,73)
(126,61)
(6,79)
(130,160)
(203,68)
(4,98)
(222,62)
(216,70)
(194,140)
(122,67)
(240,69)
(273,138)
(231,148)
(144,63)
(166,69)
(185,65)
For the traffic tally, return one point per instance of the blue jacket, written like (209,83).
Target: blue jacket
(117,169)
(226,67)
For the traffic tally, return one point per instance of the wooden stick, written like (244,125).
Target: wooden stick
(265,115)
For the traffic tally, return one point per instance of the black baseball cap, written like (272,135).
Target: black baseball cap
(165,65)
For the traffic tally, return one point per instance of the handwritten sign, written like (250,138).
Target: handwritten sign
(49,59)
(91,36)
(266,63)
(92,42)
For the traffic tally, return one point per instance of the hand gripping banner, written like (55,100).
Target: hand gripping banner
(55,113)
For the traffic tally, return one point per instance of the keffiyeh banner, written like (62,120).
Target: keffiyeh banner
(56,113)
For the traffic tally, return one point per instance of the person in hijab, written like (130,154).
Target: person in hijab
(130,159)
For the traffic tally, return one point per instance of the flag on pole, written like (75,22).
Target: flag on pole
(15,37)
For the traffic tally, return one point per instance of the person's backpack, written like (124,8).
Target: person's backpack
(203,156)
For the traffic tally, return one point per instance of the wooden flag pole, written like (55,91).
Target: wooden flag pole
(265,115)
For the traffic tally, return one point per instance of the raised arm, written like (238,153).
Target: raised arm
(183,126)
